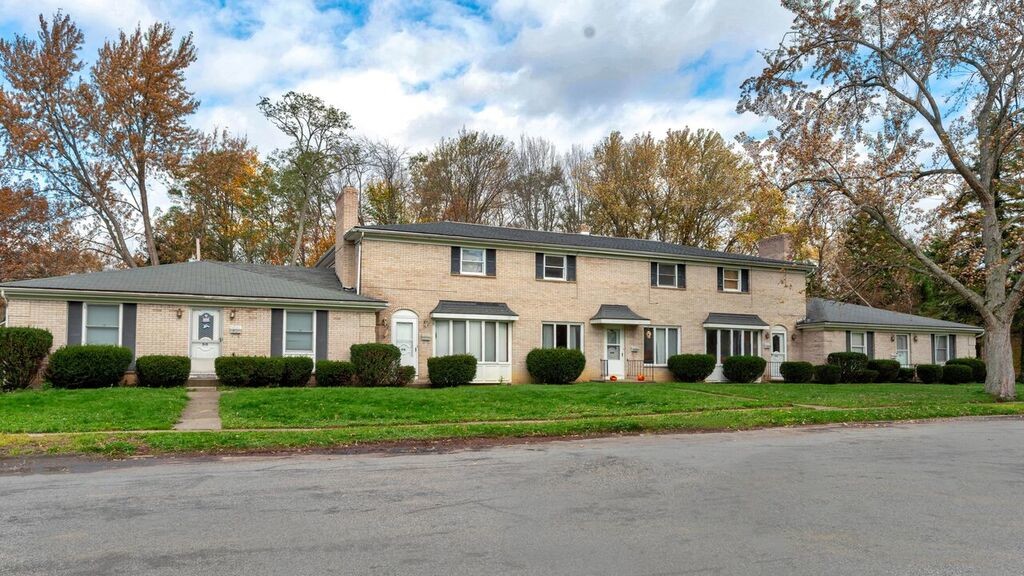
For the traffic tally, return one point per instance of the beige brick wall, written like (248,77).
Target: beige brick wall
(49,315)
(415,276)
(158,330)
(348,328)
(254,338)
(816,345)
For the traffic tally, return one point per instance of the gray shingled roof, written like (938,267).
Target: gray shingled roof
(617,312)
(724,319)
(581,241)
(821,311)
(208,278)
(478,308)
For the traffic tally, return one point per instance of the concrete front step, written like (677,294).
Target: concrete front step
(202,383)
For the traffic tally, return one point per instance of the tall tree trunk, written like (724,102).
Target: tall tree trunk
(147,224)
(999,360)
(300,233)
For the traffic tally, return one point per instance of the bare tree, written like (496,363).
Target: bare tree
(537,191)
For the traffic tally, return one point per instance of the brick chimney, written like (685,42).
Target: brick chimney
(778,247)
(346,217)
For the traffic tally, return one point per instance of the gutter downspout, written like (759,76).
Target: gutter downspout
(359,264)
(3,298)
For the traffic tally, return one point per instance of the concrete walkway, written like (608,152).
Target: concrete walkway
(202,411)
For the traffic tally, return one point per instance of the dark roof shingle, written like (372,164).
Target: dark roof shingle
(725,319)
(477,308)
(821,311)
(617,312)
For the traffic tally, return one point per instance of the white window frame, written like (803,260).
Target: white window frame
(284,335)
(945,349)
(85,321)
(755,342)
(896,349)
(483,339)
(863,348)
(675,275)
(564,266)
(463,260)
(668,353)
(739,280)
(568,332)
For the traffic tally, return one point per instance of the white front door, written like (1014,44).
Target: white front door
(404,326)
(205,340)
(613,353)
(778,352)
(903,350)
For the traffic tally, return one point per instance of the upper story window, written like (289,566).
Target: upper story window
(668,275)
(733,279)
(298,333)
(859,342)
(559,335)
(102,324)
(472,261)
(556,267)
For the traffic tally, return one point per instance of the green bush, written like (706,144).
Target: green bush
(956,374)
(455,370)
(297,370)
(691,367)
(406,375)
(743,368)
(157,371)
(332,373)
(796,372)
(22,351)
(249,371)
(929,373)
(865,376)
(91,366)
(887,370)
(848,363)
(376,364)
(827,374)
(978,370)
(555,365)
(905,375)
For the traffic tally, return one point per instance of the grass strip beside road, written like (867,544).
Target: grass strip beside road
(89,410)
(849,395)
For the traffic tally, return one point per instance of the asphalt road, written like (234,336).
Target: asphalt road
(939,498)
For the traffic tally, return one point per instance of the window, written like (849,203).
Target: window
(903,350)
(669,275)
(298,333)
(728,342)
(487,341)
(557,335)
(859,342)
(941,348)
(472,261)
(102,324)
(554,267)
(659,344)
(731,279)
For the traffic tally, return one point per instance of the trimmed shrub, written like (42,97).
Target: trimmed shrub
(376,364)
(848,363)
(956,374)
(555,365)
(796,372)
(827,374)
(865,376)
(905,375)
(691,367)
(887,370)
(978,370)
(249,371)
(91,366)
(929,373)
(743,368)
(22,351)
(297,370)
(455,370)
(157,371)
(406,375)
(332,373)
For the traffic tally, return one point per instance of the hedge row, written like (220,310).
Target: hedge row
(22,351)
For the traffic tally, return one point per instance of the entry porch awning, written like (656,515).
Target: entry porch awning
(466,310)
(741,321)
(618,314)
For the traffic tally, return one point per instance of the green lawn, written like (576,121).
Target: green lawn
(331,407)
(89,410)
(851,395)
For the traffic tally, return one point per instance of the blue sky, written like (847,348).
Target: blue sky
(413,72)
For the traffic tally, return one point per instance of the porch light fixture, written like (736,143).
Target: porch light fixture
(231,314)
(179,312)
(892,337)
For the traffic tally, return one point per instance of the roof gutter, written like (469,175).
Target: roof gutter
(889,327)
(426,238)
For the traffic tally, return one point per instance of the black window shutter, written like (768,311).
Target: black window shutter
(745,280)
(322,331)
(848,341)
(681,275)
(933,348)
(276,332)
(654,273)
(74,324)
(129,313)
(540,266)
(570,268)
(492,262)
(721,283)
(456,260)
(871,345)
(648,345)
(952,346)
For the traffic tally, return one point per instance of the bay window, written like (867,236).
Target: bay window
(723,343)
(485,340)
(559,335)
